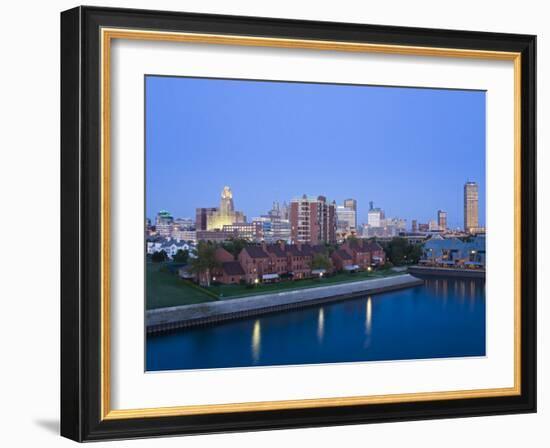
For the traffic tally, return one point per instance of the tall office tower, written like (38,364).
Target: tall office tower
(201,217)
(214,218)
(312,220)
(414,226)
(164,222)
(442,220)
(375,216)
(346,219)
(352,204)
(471,207)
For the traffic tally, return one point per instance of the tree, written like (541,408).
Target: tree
(235,245)
(181,256)
(399,251)
(205,261)
(159,257)
(320,261)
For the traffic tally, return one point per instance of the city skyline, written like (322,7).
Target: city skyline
(423,131)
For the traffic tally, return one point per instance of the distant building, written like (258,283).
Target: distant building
(352,204)
(201,218)
(249,231)
(184,235)
(442,220)
(184,223)
(312,220)
(422,227)
(471,207)
(216,236)
(433,226)
(346,220)
(375,216)
(164,223)
(280,228)
(274,228)
(414,226)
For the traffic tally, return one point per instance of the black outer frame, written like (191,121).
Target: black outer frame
(80,224)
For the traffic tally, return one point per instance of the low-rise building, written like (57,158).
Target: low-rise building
(454,252)
(255,263)
(343,260)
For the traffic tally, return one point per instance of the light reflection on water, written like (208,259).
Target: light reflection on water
(442,318)
(256,341)
(368,320)
(321,325)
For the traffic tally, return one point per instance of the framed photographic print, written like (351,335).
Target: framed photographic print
(273,223)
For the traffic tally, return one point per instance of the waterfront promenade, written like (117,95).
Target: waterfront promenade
(171,318)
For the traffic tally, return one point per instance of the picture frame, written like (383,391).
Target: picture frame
(87,34)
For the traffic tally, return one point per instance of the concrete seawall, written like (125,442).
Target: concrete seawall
(428,271)
(172,318)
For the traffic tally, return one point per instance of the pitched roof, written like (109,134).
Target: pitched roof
(341,253)
(372,246)
(255,252)
(232,268)
(276,250)
(292,249)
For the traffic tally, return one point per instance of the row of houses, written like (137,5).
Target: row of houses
(273,262)
(168,245)
(453,252)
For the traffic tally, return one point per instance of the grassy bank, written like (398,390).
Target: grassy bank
(165,289)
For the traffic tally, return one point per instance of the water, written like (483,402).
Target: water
(443,318)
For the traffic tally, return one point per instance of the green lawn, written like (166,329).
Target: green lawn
(166,289)
(233,291)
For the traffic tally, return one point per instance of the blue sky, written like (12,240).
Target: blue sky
(409,150)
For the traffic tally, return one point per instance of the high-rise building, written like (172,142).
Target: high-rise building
(312,220)
(352,204)
(346,219)
(471,207)
(163,223)
(433,226)
(201,218)
(212,218)
(442,220)
(375,216)
(423,227)
(414,226)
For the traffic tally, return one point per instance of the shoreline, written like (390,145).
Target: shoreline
(431,271)
(172,318)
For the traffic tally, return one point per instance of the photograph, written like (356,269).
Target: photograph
(273,222)
(300,223)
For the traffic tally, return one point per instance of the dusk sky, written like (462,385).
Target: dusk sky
(409,150)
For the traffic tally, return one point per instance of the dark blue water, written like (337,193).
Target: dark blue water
(442,318)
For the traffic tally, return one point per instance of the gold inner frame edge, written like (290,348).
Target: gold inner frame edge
(107,35)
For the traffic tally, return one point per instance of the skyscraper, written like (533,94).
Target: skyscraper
(163,223)
(442,220)
(352,205)
(212,218)
(375,216)
(312,220)
(345,219)
(471,206)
